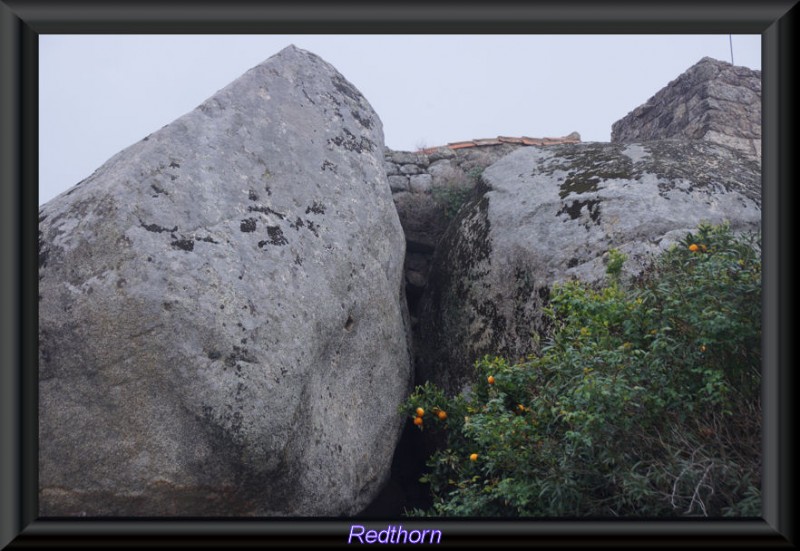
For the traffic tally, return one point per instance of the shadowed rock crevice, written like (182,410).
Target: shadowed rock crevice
(404,491)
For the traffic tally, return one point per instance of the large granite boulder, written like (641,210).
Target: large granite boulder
(222,326)
(545,215)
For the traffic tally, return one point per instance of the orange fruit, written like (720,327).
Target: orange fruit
(490,380)
(418,421)
(473,457)
(442,415)
(693,248)
(420,412)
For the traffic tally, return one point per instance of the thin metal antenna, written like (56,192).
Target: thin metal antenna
(730,39)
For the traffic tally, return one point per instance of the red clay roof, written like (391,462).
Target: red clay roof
(524,140)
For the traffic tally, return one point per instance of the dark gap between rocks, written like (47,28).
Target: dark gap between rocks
(404,491)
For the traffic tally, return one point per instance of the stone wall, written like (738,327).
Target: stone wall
(713,101)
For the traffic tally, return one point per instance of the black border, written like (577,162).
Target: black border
(21,21)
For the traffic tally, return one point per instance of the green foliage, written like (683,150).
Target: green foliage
(455,191)
(643,402)
(616,259)
(475,173)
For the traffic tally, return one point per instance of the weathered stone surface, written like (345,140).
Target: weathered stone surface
(221,312)
(435,175)
(398,183)
(478,158)
(410,169)
(548,214)
(420,183)
(408,157)
(422,219)
(447,172)
(441,153)
(391,169)
(713,101)
(417,266)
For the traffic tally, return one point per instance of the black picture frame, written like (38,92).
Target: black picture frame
(22,21)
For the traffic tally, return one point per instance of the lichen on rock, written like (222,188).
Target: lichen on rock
(222,323)
(547,215)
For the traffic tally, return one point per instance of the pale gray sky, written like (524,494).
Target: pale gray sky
(99,94)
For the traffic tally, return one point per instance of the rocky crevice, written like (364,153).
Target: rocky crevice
(429,186)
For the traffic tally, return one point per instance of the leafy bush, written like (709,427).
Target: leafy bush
(643,402)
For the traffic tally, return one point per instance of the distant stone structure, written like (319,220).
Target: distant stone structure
(712,101)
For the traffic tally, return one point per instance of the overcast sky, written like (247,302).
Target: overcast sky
(99,94)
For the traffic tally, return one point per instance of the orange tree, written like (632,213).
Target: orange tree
(643,402)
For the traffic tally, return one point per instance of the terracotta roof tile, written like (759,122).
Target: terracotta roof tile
(524,140)
(460,145)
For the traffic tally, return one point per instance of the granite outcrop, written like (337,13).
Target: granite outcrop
(541,216)
(222,321)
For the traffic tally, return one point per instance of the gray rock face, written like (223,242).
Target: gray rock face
(420,183)
(222,323)
(713,101)
(550,214)
(414,178)
(422,219)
